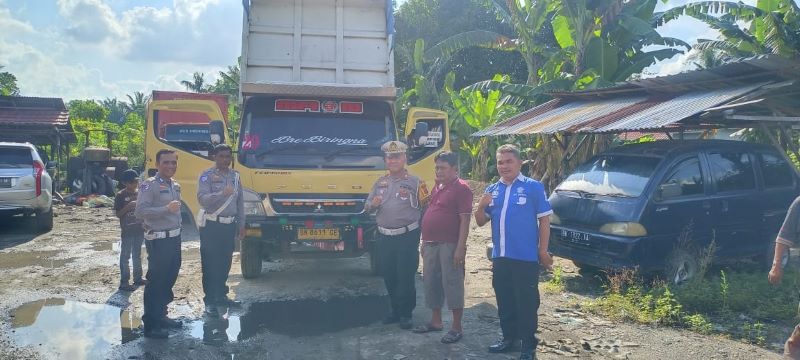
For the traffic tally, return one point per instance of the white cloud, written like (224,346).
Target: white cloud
(95,50)
(91,21)
(12,26)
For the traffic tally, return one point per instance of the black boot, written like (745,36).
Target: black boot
(527,352)
(502,345)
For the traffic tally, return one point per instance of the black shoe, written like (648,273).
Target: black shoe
(156,333)
(229,303)
(404,323)
(391,319)
(502,346)
(168,323)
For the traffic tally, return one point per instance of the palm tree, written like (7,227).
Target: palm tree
(116,110)
(136,103)
(197,84)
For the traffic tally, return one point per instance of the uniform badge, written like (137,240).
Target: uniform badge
(423,194)
(204,178)
(520,190)
(145,186)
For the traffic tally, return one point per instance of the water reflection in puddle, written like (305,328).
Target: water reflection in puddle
(71,329)
(306,317)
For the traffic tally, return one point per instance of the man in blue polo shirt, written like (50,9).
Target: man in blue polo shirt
(520,214)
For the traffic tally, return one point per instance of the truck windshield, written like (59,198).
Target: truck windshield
(611,175)
(302,140)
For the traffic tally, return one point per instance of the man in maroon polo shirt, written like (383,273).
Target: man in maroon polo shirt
(445,226)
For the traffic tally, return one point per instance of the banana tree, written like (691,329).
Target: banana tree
(479,111)
(769,27)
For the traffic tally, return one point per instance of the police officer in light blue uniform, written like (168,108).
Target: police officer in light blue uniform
(159,207)
(220,194)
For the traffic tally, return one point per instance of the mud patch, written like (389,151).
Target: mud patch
(43,259)
(106,246)
(295,318)
(71,329)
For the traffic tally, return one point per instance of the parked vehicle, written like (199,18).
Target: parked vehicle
(317,95)
(629,206)
(25,185)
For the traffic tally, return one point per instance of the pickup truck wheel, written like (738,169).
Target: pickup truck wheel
(250,257)
(681,266)
(44,220)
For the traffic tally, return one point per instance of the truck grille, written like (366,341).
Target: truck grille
(321,205)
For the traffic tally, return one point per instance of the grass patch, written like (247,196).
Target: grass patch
(556,283)
(741,302)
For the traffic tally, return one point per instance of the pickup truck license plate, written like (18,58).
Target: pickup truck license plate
(574,236)
(318,234)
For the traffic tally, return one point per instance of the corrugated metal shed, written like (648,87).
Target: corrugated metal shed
(38,120)
(665,103)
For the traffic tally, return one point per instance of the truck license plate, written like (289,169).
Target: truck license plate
(318,234)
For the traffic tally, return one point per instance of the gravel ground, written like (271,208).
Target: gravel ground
(64,284)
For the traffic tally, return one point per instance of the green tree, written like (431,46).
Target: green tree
(197,84)
(117,110)
(769,27)
(137,103)
(479,111)
(8,84)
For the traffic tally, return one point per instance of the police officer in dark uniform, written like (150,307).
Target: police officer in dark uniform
(220,195)
(398,198)
(159,207)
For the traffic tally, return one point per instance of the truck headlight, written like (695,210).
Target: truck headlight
(624,229)
(253,205)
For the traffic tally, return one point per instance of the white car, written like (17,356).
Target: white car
(25,185)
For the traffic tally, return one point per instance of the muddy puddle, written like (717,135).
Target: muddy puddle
(71,329)
(77,330)
(307,317)
(44,259)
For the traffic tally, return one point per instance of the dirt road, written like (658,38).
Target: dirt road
(58,300)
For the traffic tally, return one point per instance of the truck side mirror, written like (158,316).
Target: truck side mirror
(420,136)
(216,129)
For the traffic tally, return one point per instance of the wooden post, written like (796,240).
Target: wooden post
(780,149)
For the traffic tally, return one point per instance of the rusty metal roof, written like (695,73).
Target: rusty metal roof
(663,103)
(33,116)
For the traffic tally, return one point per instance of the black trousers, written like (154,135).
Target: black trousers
(217,242)
(398,260)
(516,287)
(163,265)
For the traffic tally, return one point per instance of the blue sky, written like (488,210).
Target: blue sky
(97,49)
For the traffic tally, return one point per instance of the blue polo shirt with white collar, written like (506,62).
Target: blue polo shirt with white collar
(514,211)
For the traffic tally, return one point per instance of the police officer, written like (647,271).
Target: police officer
(159,207)
(398,198)
(220,195)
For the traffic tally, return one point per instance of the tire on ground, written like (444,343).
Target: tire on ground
(250,258)
(681,265)
(44,220)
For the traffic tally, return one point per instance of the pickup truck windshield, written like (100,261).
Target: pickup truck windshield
(283,140)
(611,175)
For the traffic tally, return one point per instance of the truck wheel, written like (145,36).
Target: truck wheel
(44,220)
(250,257)
(681,266)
